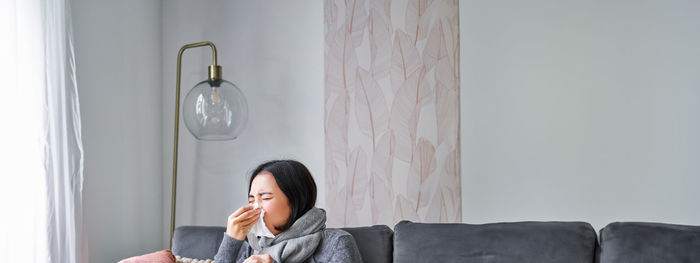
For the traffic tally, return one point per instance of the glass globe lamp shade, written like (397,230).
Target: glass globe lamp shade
(215,110)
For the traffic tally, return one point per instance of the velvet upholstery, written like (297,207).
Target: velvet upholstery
(570,242)
(202,242)
(199,242)
(374,242)
(541,242)
(649,242)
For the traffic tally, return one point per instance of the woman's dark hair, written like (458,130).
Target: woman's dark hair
(296,183)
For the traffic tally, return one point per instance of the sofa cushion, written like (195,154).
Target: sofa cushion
(374,242)
(197,241)
(163,256)
(541,242)
(649,242)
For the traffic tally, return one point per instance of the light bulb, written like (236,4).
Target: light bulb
(215,110)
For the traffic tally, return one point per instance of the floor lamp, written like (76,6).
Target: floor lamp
(214,110)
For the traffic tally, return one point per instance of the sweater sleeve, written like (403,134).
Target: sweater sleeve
(345,250)
(231,250)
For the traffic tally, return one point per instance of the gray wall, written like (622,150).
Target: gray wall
(126,57)
(273,51)
(580,110)
(117,52)
(570,110)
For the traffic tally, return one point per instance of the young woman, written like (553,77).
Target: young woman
(286,192)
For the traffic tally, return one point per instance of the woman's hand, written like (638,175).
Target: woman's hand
(241,221)
(259,259)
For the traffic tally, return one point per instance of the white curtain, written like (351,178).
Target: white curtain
(41,169)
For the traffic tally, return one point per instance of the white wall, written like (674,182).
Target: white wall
(580,110)
(117,51)
(273,51)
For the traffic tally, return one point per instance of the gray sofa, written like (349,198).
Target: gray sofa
(541,242)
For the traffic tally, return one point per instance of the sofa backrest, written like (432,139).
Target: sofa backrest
(570,242)
(374,242)
(649,242)
(541,242)
(202,242)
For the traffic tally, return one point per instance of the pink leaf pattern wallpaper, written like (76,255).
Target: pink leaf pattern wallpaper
(391,111)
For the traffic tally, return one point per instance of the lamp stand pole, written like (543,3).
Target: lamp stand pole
(214,74)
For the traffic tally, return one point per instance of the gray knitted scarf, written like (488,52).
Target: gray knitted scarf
(297,243)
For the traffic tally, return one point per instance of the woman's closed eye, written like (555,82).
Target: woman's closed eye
(250,201)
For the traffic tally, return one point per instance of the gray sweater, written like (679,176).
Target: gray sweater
(336,246)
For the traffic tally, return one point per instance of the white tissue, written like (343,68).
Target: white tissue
(260,229)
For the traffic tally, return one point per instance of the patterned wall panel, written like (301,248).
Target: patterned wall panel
(391,111)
